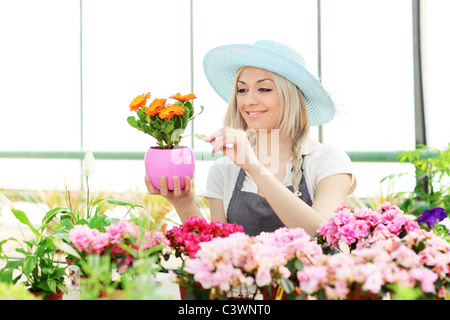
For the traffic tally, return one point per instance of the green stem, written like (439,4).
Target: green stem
(87,196)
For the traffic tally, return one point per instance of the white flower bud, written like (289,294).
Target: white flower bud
(88,164)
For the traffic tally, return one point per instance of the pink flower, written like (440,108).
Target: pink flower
(311,278)
(426,277)
(356,228)
(123,232)
(186,238)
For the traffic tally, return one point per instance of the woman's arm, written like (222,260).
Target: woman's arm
(217,210)
(294,212)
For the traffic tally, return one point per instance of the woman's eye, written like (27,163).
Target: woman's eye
(265,90)
(242,90)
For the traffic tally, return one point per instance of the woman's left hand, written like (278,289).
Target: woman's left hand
(235,144)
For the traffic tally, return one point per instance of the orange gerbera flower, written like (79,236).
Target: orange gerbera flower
(139,101)
(155,107)
(170,111)
(184,98)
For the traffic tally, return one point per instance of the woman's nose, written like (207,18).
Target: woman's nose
(251,98)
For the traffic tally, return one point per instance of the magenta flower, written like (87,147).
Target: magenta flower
(186,238)
(433,216)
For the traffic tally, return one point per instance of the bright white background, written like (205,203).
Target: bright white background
(135,46)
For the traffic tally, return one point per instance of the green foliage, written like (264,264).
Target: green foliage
(37,264)
(15,292)
(432,173)
(166,131)
(137,283)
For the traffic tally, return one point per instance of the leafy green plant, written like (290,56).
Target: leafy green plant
(136,283)
(38,267)
(432,172)
(164,122)
(18,291)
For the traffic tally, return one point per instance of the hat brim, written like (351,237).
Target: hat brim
(222,63)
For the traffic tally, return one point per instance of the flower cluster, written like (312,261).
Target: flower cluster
(164,122)
(433,216)
(356,228)
(419,259)
(117,238)
(241,260)
(186,239)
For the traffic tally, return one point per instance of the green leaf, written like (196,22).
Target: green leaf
(30,263)
(119,202)
(66,248)
(52,213)
(51,283)
(287,285)
(22,217)
(6,275)
(132,121)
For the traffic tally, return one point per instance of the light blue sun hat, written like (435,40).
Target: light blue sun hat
(222,63)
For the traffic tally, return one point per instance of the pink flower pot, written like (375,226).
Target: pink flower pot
(179,162)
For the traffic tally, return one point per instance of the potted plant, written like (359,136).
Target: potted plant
(39,267)
(120,248)
(418,261)
(186,238)
(120,240)
(356,228)
(18,291)
(241,266)
(166,123)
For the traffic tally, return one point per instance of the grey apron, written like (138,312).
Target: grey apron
(253,212)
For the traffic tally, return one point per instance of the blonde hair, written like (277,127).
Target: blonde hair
(293,123)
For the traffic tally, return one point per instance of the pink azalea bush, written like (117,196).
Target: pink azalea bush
(419,259)
(116,239)
(357,227)
(241,260)
(186,239)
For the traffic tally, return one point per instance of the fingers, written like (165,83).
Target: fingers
(177,191)
(164,189)
(224,138)
(151,189)
(188,184)
(176,186)
(214,135)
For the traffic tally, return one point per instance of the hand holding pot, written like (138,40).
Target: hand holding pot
(177,196)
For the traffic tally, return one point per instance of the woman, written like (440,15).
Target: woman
(272,175)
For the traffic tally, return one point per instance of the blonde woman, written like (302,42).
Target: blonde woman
(272,174)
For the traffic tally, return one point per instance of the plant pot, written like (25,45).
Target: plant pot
(276,294)
(117,294)
(179,162)
(357,293)
(58,295)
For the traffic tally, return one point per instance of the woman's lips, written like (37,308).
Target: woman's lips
(255,114)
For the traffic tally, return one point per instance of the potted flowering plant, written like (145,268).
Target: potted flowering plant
(186,238)
(354,228)
(241,266)
(120,240)
(419,261)
(166,123)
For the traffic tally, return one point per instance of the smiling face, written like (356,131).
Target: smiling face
(257,99)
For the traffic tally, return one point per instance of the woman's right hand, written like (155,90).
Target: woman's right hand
(236,145)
